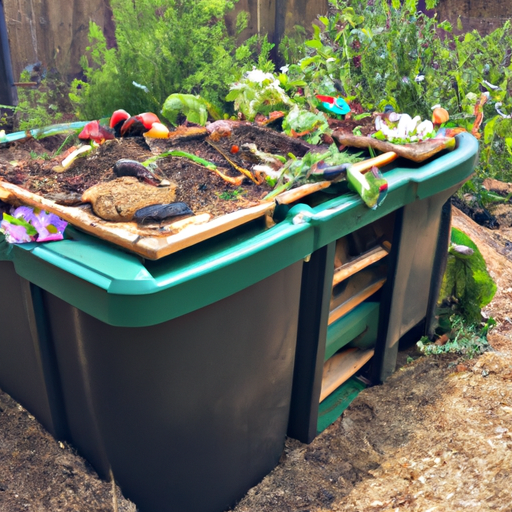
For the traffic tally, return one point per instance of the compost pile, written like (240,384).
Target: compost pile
(31,163)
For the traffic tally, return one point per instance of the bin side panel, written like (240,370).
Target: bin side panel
(21,362)
(413,274)
(66,334)
(192,412)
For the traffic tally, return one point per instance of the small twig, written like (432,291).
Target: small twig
(25,84)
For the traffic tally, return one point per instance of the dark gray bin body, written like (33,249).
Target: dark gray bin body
(176,374)
(27,363)
(192,412)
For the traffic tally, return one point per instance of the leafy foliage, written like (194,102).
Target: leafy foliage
(192,107)
(291,47)
(481,195)
(258,93)
(163,47)
(376,54)
(300,121)
(37,107)
(232,195)
(469,340)
(297,171)
(371,53)
(466,286)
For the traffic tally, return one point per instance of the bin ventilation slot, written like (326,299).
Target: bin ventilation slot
(340,367)
(361,262)
(354,301)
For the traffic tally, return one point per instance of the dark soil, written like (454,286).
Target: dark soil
(31,164)
(366,125)
(478,213)
(38,473)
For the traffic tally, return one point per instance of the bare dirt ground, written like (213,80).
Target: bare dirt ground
(437,436)
(40,474)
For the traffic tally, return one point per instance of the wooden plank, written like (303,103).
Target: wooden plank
(377,161)
(143,241)
(417,151)
(295,194)
(341,366)
(364,260)
(355,301)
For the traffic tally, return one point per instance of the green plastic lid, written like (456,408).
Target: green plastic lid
(120,288)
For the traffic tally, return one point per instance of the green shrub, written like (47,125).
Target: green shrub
(38,107)
(291,47)
(163,47)
(376,54)
(466,286)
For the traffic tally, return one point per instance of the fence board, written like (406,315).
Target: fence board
(54,32)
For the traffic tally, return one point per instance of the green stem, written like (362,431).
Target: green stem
(278,190)
(183,154)
(58,152)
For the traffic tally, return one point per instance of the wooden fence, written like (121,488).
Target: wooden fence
(54,32)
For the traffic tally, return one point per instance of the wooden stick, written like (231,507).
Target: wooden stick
(359,263)
(340,367)
(25,84)
(354,301)
(378,161)
(290,196)
(245,172)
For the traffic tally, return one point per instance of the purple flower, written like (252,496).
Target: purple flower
(49,226)
(23,212)
(14,234)
(38,226)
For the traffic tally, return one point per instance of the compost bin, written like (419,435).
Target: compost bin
(372,279)
(176,375)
